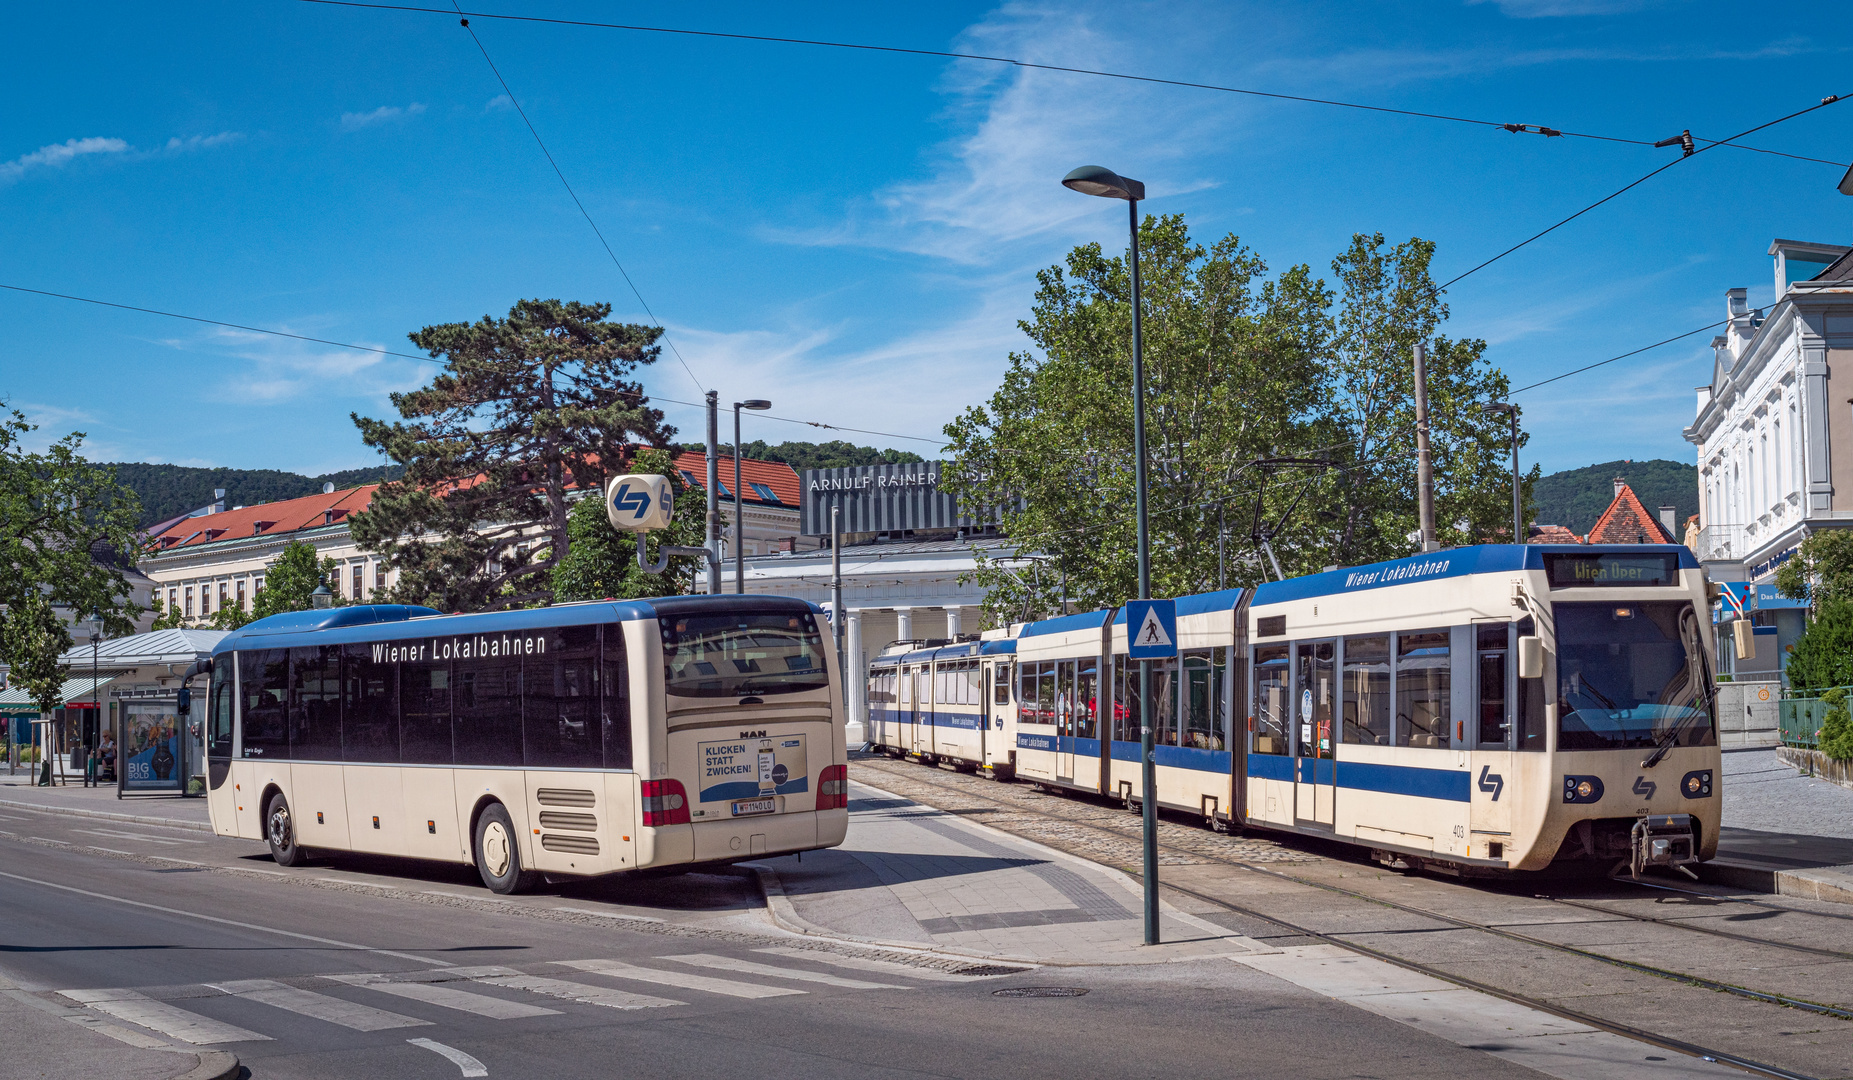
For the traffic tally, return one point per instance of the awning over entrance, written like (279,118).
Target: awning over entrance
(16,701)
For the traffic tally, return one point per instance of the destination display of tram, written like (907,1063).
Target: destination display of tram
(1568,571)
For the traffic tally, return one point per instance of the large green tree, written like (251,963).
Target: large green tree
(603,561)
(290,581)
(527,408)
(65,526)
(1240,366)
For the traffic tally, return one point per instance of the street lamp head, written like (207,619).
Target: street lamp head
(1104,182)
(1846,183)
(756,404)
(321,597)
(1499,407)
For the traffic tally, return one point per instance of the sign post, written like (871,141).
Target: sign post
(1151,634)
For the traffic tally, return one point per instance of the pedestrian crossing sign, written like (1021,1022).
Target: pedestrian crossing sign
(1152,625)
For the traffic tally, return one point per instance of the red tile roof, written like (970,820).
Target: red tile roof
(1626,521)
(1552,534)
(266,519)
(781,478)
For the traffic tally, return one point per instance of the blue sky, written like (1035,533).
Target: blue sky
(854,235)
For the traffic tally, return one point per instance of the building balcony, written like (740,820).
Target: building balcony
(1723,543)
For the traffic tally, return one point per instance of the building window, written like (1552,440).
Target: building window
(224,587)
(358,568)
(1795,454)
(173,599)
(257,584)
(189,601)
(379,575)
(205,600)
(241,604)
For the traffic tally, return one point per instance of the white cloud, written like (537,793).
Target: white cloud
(201,142)
(279,370)
(354,121)
(1542,9)
(59,154)
(997,183)
(500,103)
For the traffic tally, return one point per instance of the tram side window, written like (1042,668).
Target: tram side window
(264,676)
(1273,675)
(1367,690)
(616,683)
(1125,699)
(1423,681)
(369,707)
(1000,692)
(488,711)
(1202,699)
(315,703)
(424,712)
(974,688)
(1087,699)
(1490,654)
(219,738)
(1531,717)
(560,726)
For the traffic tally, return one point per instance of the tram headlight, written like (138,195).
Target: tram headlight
(1582,789)
(1696,784)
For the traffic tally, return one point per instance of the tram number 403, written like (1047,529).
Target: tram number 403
(1460,832)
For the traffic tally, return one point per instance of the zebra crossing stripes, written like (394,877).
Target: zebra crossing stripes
(580,992)
(618,969)
(347,1014)
(748,967)
(169,1020)
(447,997)
(863,963)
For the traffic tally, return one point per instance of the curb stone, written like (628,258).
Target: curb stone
(104,815)
(214,1065)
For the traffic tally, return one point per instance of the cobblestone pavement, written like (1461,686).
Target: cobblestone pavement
(1019,808)
(1764,793)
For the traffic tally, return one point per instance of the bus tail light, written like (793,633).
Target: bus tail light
(664,803)
(833,788)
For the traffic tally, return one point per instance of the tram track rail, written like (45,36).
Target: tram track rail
(1346,939)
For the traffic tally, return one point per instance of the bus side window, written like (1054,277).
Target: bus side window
(617,699)
(264,676)
(1531,704)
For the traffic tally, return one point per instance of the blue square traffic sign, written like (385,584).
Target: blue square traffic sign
(1151,629)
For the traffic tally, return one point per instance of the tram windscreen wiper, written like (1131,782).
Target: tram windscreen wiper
(1666,742)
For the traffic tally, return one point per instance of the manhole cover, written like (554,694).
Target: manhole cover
(1039,991)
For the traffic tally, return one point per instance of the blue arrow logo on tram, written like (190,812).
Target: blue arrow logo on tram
(1491,781)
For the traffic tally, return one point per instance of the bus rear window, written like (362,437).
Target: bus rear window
(735,654)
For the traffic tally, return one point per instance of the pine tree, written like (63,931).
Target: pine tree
(526,409)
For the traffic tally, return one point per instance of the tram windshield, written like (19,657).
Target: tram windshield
(732,654)
(1631,674)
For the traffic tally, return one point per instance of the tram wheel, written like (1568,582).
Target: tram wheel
(280,833)
(498,856)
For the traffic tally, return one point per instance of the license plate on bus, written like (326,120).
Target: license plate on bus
(744,807)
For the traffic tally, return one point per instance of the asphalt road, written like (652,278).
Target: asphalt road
(379,968)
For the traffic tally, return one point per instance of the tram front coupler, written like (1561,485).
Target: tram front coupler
(1663,840)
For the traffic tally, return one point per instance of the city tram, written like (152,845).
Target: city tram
(573,740)
(1477,710)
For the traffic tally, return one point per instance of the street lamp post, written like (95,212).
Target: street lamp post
(739,520)
(1518,505)
(1094,180)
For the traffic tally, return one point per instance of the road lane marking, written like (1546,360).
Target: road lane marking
(469,1065)
(617,969)
(223,922)
(748,967)
(160,1016)
(580,992)
(859,963)
(348,1014)
(138,836)
(448,997)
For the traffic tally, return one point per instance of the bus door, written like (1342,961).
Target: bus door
(1489,734)
(1315,785)
(1065,708)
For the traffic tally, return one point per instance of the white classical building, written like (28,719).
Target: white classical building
(1774,433)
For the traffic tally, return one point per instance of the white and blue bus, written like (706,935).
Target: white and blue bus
(1482,709)
(581,739)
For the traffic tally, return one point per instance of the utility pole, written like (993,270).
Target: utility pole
(712,538)
(837,615)
(1424,461)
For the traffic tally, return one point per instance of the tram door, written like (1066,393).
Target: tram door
(1493,763)
(923,710)
(1065,708)
(1315,776)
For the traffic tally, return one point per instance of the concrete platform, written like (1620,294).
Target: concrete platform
(1783,832)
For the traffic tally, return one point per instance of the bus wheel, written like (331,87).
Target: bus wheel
(280,833)
(498,856)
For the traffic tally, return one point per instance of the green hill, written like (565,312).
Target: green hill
(168,491)
(1575,498)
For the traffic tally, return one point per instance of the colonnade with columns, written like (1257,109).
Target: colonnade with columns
(869,630)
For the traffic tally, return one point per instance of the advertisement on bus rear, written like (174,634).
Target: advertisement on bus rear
(753,770)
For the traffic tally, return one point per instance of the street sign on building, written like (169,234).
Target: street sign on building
(1151,628)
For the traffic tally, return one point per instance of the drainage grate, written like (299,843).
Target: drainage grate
(1039,991)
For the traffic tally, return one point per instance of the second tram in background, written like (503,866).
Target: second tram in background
(1481,709)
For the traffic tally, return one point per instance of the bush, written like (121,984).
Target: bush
(1823,657)
(1836,735)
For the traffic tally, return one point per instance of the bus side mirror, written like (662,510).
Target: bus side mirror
(1744,631)
(1531,657)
